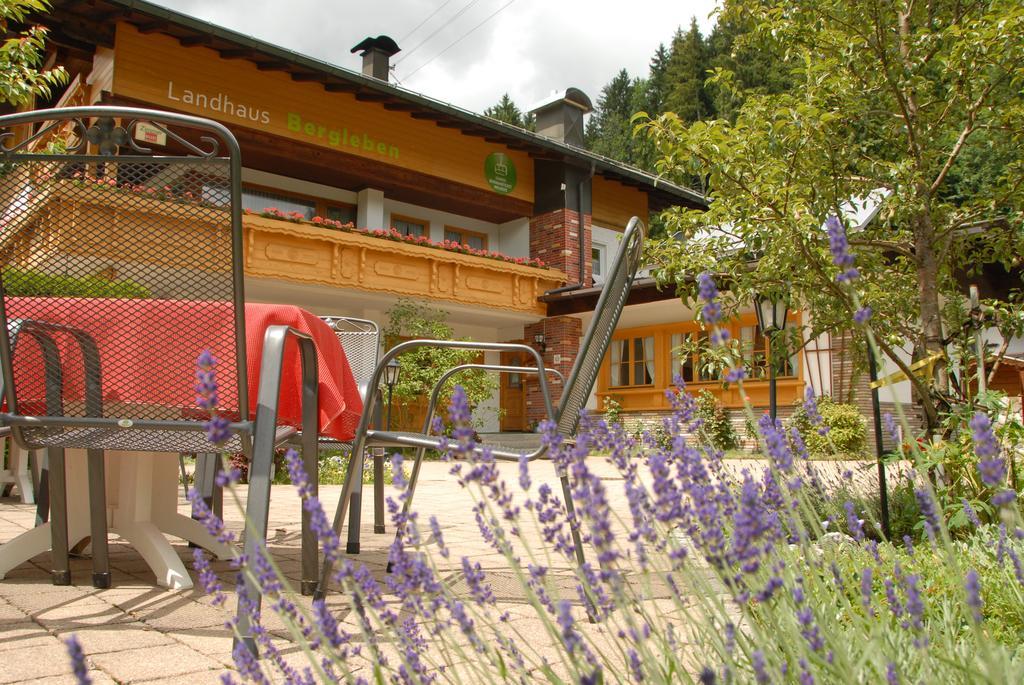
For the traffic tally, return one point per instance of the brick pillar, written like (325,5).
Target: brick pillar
(554,239)
(562,338)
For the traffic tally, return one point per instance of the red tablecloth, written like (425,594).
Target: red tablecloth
(148,350)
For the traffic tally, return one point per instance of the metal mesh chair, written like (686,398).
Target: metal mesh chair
(360,338)
(575,391)
(116,262)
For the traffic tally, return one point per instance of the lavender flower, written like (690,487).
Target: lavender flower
(915,605)
(973,588)
(891,674)
(712,310)
(969,512)
(77,656)
(840,249)
(206,381)
(862,315)
(927,506)
(890,427)
(811,406)
(207,578)
(735,374)
(991,464)
(865,590)
(758,664)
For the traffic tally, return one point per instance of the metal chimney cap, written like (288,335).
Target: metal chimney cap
(570,96)
(384,44)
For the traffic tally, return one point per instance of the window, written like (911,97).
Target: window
(755,353)
(683,361)
(257,200)
(346,214)
(596,254)
(632,361)
(477,241)
(407,226)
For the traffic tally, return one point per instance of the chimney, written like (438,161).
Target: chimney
(560,116)
(376,53)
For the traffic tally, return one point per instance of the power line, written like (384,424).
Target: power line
(437,31)
(459,40)
(429,17)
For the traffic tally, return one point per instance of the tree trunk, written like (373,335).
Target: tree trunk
(931,314)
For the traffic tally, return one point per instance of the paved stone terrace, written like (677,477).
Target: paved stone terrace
(136,632)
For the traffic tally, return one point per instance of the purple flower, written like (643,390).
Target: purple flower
(890,427)
(914,606)
(909,543)
(758,664)
(811,406)
(840,249)
(435,530)
(969,512)
(77,656)
(927,506)
(891,675)
(865,589)
(206,381)
(207,578)
(218,429)
(854,524)
(862,315)
(735,374)
(712,310)
(991,464)
(973,588)
(524,472)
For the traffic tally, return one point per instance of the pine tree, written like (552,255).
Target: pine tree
(507,111)
(609,131)
(686,73)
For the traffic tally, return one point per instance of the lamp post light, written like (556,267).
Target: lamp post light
(771,310)
(390,379)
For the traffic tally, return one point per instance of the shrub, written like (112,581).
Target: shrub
(716,421)
(34,283)
(847,431)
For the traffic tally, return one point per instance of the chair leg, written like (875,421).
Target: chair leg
(339,516)
(378,491)
(43,489)
(577,540)
(203,480)
(409,492)
(98,520)
(257,513)
(59,516)
(355,505)
(217,496)
(310,551)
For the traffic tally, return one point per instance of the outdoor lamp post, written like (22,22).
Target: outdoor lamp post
(390,379)
(771,310)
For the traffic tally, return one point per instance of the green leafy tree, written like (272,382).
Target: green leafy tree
(889,99)
(22,53)
(507,111)
(422,367)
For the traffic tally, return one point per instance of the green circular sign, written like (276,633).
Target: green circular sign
(500,172)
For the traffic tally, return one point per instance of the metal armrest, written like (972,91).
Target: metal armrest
(41,331)
(500,368)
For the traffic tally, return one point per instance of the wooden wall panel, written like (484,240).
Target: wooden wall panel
(615,203)
(155,68)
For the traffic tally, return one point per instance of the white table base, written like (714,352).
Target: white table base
(142,507)
(17,471)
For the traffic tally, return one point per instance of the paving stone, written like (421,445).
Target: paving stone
(97,677)
(25,636)
(150,663)
(32,663)
(117,637)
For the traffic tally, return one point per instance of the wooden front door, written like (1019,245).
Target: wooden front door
(513,395)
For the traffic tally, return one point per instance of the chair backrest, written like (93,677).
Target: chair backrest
(360,338)
(121,251)
(598,336)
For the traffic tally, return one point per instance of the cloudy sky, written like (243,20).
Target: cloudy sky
(471,51)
